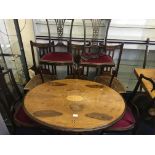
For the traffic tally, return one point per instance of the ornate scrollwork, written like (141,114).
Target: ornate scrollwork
(60,26)
(96,27)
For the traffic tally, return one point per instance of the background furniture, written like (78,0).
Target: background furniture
(11,102)
(61,54)
(146,78)
(95,30)
(43,71)
(109,73)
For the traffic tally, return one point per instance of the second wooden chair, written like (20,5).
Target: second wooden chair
(43,72)
(109,74)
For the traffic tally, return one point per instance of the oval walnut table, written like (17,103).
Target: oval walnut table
(74,105)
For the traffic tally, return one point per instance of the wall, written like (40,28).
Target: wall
(27,35)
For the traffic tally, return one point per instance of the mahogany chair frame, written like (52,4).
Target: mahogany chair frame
(111,53)
(60,28)
(42,49)
(109,73)
(94,42)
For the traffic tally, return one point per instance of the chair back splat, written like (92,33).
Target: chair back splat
(61,29)
(95,31)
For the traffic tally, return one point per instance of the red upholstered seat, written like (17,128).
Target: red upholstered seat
(103,58)
(23,119)
(58,57)
(127,122)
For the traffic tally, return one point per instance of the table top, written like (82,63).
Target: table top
(150,73)
(74,105)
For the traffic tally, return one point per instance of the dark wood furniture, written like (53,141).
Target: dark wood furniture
(43,71)
(39,50)
(74,105)
(109,73)
(92,55)
(146,79)
(61,54)
(11,102)
(146,74)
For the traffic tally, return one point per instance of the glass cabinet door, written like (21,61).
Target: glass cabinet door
(10,53)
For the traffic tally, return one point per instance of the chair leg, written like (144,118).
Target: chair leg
(101,70)
(87,71)
(68,70)
(82,70)
(41,75)
(134,131)
(55,70)
(97,71)
(71,68)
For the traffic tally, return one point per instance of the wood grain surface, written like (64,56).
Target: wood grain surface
(74,105)
(150,73)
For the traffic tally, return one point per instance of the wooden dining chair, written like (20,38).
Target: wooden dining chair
(128,123)
(43,71)
(11,101)
(136,112)
(61,54)
(109,73)
(95,30)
